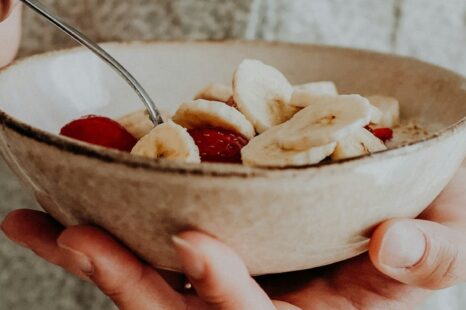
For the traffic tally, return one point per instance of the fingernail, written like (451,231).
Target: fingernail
(80,259)
(190,258)
(403,246)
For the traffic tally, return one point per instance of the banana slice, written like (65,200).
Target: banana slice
(305,97)
(262,94)
(390,109)
(361,142)
(263,151)
(170,141)
(326,120)
(202,113)
(215,92)
(138,123)
(376,115)
(309,90)
(319,88)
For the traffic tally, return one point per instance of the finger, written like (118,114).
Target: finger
(421,253)
(34,230)
(218,274)
(117,272)
(6,7)
(39,232)
(281,305)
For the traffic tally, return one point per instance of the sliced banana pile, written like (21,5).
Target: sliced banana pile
(286,125)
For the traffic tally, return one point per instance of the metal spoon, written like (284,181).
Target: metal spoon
(154,113)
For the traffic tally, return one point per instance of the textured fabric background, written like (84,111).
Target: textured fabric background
(432,30)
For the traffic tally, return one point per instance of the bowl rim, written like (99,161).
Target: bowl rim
(214,169)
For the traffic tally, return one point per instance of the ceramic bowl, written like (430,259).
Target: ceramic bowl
(277,220)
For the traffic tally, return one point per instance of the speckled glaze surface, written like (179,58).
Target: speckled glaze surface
(277,220)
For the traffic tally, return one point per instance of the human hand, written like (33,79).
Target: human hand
(407,260)
(218,275)
(6,7)
(10,30)
(430,251)
(434,258)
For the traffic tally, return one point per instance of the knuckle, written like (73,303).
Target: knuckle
(119,290)
(215,296)
(445,270)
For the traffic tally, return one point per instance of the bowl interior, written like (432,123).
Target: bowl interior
(48,91)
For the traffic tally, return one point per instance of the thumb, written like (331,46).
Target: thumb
(218,274)
(421,253)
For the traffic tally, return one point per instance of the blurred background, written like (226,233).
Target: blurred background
(432,30)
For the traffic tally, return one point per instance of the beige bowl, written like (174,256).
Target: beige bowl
(277,220)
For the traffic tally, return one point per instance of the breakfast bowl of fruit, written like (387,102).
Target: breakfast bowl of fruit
(290,154)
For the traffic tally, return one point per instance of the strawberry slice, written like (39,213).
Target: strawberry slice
(101,131)
(384,134)
(218,145)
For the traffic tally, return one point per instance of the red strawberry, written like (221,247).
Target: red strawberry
(384,134)
(218,145)
(101,131)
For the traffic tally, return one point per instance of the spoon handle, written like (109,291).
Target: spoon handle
(154,113)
